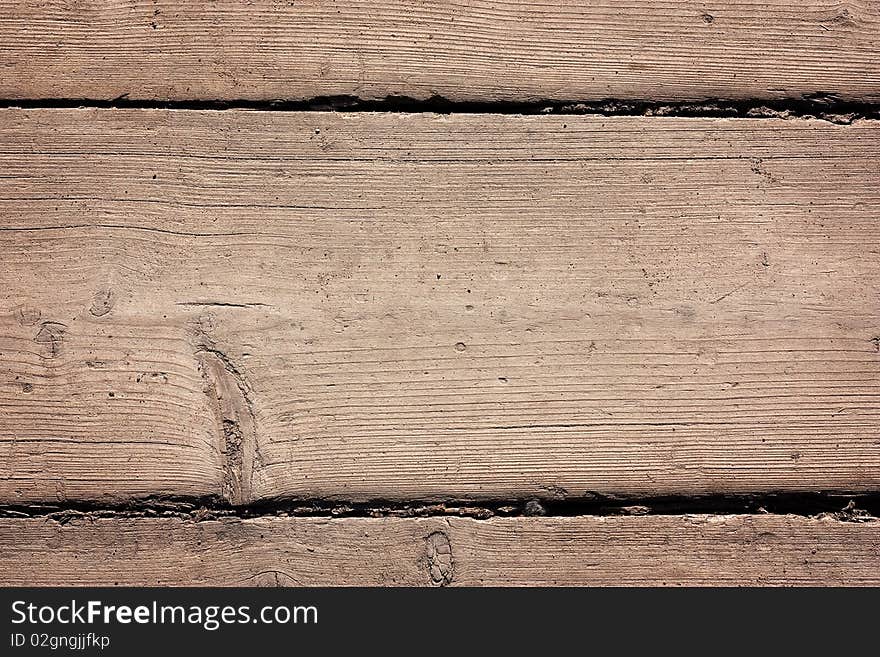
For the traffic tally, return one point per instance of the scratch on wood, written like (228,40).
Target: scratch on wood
(724,296)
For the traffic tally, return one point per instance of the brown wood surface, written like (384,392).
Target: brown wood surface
(315,305)
(464,50)
(587,550)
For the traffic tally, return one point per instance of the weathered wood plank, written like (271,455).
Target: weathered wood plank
(421,306)
(587,550)
(70,442)
(470,50)
(93,412)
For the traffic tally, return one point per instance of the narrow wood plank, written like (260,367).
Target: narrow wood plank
(315,305)
(612,551)
(468,50)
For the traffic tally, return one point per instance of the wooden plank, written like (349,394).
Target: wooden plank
(474,50)
(90,411)
(70,441)
(316,305)
(736,550)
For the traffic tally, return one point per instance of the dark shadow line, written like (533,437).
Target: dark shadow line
(820,105)
(842,506)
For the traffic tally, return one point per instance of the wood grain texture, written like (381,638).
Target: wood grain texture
(386,306)
(468,50)
(612,551)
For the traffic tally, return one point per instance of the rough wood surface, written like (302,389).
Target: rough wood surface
(262,304)
(587,550)
(463,50)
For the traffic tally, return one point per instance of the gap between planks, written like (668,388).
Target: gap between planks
(818,106)
(847,507)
